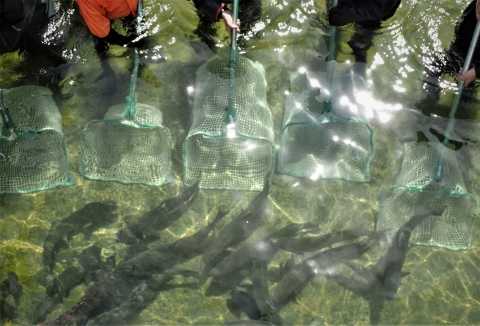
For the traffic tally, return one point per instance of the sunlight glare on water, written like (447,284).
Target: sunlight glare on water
(291,38)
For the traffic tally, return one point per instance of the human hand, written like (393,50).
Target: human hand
(468,77)
(229,24)
(477,10)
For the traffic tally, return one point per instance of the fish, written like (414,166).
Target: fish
(238,230)
(371,290)
(246,303)
(159,218)
(318,264)
(88,263)
(223,283)
(140,298)
(239,257)
(115,289)
(85,220)
(306,244)
(275,274)
(294,228)
(392,263)
(234,233)
(10,292)
(156,261)
(261,294)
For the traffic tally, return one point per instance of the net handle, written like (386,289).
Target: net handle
(439,167)
(130,109)
(327,104)
(230,118)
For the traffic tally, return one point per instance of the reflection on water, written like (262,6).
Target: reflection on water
(442,286)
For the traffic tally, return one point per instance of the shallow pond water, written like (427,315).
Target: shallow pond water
(443,285)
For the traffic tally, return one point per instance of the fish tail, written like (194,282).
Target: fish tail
(219,216)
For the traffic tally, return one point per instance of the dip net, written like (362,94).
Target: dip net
(234,155)
(32,150)
(130,145)
(431,179)
(230,144)
(318,143)
(416,191)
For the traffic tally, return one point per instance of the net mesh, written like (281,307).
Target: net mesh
(128,150)
(145,115)
(36,158)
(324,145)
(416,192)
(218,161)
(32,108)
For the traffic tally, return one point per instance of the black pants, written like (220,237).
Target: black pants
(366,13)
(450,62)
(367,16)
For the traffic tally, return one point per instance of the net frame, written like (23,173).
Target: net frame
(329,116)
(445,178)
(303,111)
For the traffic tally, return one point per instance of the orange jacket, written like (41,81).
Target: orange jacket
(98,13)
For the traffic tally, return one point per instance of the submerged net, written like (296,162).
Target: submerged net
(129,145)
(32,150)
(431,179)
(244,158)
(32,108)
(321,144)
(128,150)
(416,192)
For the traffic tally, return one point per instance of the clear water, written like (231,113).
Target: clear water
(443,285)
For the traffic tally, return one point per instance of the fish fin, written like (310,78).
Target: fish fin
(186,273)
(403,238)
(233,308)
(220,214)
(62,244)
(129,219)
(205,274)
(403,274)
(378,271)
(293,298)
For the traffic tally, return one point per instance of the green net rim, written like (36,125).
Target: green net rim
(135,124)
(316,122)
(450,193)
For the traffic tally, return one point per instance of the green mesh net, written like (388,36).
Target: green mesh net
(32,150)
(221,158)
(319,144)
(129,145)
(32,108)
(416,191)
(430,179)
(128,150)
